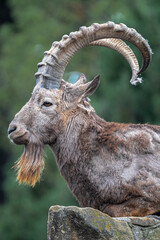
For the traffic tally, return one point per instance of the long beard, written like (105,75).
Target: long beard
(31,164)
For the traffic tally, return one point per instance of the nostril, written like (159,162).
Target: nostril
(12,129)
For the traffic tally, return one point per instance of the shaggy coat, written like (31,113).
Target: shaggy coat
(108,166)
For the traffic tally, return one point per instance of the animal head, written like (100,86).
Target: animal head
(54,102)
(43,118)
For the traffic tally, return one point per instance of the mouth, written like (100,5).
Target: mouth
(19,139)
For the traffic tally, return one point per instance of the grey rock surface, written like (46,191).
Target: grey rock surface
(73,223)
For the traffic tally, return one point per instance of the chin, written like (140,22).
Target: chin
(20,140)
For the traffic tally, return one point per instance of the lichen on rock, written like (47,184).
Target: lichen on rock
(73,223)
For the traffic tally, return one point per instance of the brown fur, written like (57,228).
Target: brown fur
(109,166)
(30,165)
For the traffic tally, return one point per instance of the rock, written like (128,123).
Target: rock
(73,223)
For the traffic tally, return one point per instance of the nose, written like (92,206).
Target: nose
(12,129)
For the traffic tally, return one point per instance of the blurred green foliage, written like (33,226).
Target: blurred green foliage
(36,24)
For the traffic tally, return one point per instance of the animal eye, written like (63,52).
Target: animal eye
(47,104)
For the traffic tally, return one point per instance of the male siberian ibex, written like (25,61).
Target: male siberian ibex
(108,166)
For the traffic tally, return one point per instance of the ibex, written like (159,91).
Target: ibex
(109,166)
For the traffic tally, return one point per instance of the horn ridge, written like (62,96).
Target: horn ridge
(70,44)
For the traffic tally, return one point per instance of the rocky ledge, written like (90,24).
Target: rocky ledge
(73,223)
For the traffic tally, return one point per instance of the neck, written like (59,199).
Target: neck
(80,133)
(76,151)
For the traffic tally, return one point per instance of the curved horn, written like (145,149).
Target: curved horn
(52,67)
(121,47)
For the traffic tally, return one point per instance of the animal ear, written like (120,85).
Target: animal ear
(82,90)
(81,80)
(90,87)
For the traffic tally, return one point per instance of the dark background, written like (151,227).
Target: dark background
(27,29)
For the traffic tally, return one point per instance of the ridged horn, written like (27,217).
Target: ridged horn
(121,47)
(52,67)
